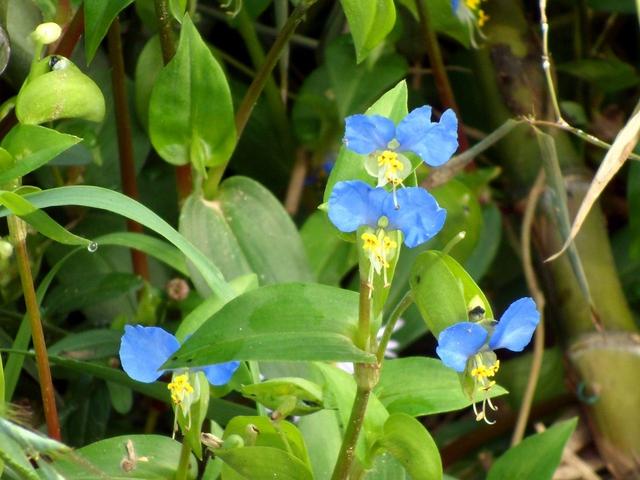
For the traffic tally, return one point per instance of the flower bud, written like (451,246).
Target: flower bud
(47,33)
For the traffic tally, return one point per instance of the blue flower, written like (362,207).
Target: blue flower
(354,204)
(143,350)
(469,346)
(383,142)
(412,211)
(470,13)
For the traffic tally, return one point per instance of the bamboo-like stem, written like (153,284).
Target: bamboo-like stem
(366,378)
(445,92)
(184,180)
(538,296)
(263,75)
(399,309)
(182,472)
(125,141)
(18,234)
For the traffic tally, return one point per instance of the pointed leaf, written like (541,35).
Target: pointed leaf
(291,322)
(98,16)
(370,23)
(33,146)
(191,117)
(537,457)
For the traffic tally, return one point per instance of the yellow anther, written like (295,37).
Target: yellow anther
(483,18)
(389,243)
(472,4)
(387,158)
(180,388)
(370,241)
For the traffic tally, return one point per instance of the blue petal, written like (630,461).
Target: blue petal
(516,326)
(458,342)
(367,133)
(454,5)
(433,142)
(221,373)
(419,216)
(144,349)
(354,203)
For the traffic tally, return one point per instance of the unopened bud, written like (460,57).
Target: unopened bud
(47,33)
(210,440)
(6,250)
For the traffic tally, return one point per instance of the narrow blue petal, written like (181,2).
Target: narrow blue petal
(458,342)
(354,203)
(454,5)
(433,142)
(418,215)
(144,349)
(516,326)
(221,373)
(367,133)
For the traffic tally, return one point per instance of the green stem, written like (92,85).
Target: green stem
(348,450)
(125,140)
(18,234)
(400,308)
(366,378)
(445,92)
(546,61)
(254,369)
(183,466)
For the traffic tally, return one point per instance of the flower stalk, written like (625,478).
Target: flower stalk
(18,235)
(183,466)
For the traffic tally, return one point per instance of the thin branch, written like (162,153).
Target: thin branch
(538,296)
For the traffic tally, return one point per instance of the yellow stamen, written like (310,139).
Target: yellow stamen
(481,374)
(180,388)
(370,242)
(483,18)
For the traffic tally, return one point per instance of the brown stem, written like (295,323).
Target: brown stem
(296,183)
(70,36)
(167,44)
(18,232)
(445,92)
(125,141)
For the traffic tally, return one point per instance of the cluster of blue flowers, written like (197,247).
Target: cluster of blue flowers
(378,213)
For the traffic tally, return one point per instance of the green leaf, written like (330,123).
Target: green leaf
(190,97)
(264,463)
(350,165)
(537,457)
(98,16)
(356,86)
(152,246)
(410,443)
(489,239)
(115,202)
(444,292)
(287,395)
(88,345)
(281,435)
(246,230)
(293,322)
(322,436)
(423,386)
(148,68)
(329,255)
(608,74)
(33,146)
(58,90)
(339,393)
(619,6)
(370,23)
(442,19)
(104,459)
(94,289)
(39,220)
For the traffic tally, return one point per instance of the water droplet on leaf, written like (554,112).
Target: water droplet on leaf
(92,247)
